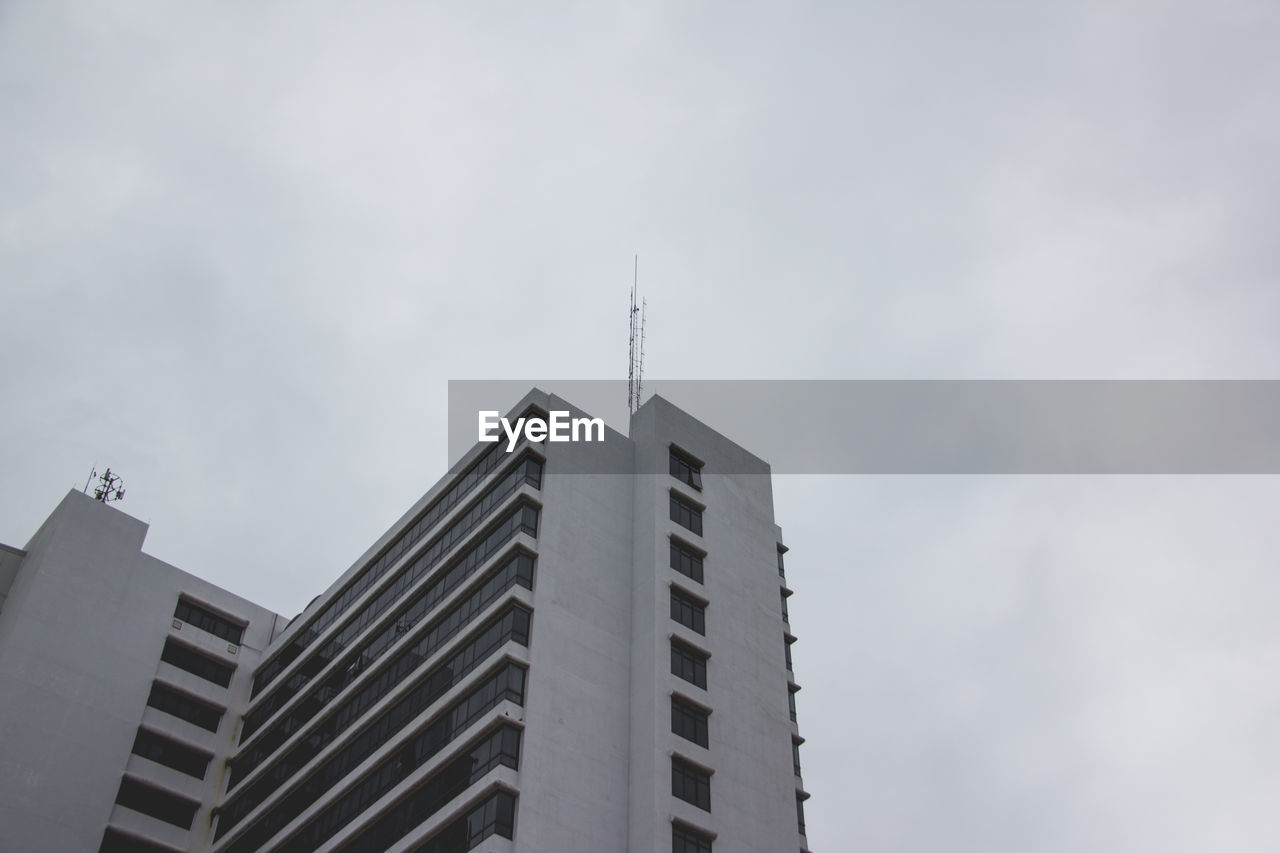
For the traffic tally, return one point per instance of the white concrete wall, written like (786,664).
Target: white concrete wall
(574,777)
(753,784)
(80,641)
(596,764)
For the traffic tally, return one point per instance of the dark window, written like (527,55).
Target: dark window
(690,783)
(522,518)
(685,839)
(689,664)
(184,707)
(184,657)
(791,702)
(686,561)
(115,841)
(527,470)
(375,730)
(781,571)
(517,570)
(786,617)
(171,753)
(495,816)
(686,470)
(689,721)
(156,802)
(206,620)
(786,645)
(500,747)
(800,812)
(795,755)
(686,514)
(689,612)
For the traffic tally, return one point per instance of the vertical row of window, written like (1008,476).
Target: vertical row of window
(148,799)
(690,782)
(145,797)
(151,800)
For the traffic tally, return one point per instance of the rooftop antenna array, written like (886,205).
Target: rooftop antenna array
(635,366)
(108,487)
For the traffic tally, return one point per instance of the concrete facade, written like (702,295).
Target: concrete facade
(81,635)
(594,710)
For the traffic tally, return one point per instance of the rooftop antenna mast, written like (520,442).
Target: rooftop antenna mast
(109,487)
(635,356)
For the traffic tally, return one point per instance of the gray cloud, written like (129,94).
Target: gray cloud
(242,250)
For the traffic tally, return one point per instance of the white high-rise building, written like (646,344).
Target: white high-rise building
(568,646)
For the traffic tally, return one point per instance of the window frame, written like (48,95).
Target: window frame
(682,601)
(163,693)
(696,658)
(168,751)
(146,797)
(696,558)
(685,467)
(679,506)
(685,773)
(197,662)
(700,839)
(209,619)
(698,714)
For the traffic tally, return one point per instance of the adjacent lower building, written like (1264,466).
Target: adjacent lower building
(560,647)
(122,680)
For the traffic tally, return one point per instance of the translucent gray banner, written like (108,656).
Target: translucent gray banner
(942,426)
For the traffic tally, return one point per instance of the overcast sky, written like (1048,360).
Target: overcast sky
(243,247)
